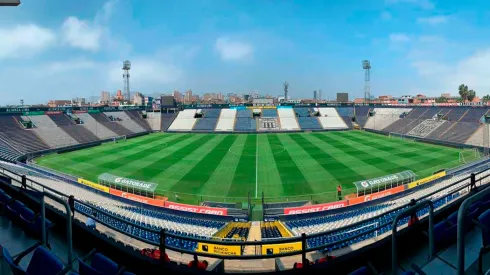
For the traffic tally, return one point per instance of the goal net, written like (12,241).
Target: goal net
(118,139)
(396,135)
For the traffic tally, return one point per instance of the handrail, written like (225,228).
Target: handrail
(69,236)
(461,227)
(404,214)
(165,233)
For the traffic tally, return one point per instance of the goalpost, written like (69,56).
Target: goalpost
(396,135)
(118,139)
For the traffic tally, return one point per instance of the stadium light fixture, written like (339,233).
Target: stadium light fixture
(12,3)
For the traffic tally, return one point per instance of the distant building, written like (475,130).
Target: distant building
(315,95)
(188,96)
(59,103)
(319,95)
(105,97)
(343,97)
(446,95)
(79,101)
(138,99)
(119,96)
(262,101)
(178,96)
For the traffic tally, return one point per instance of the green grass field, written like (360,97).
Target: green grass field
(285,166)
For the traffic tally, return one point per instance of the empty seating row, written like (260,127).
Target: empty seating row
(245,124)
(425,128)
(167,120)
(137,117)
(127,122)
(184,121)
(95,127)
(24,141)
(226,120)
(288,119)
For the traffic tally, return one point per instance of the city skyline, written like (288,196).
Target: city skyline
(61,49)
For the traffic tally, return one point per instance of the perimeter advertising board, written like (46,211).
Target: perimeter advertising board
(426,180)
(314,208)
(272,249)
(398,178)
(93,185)
(197,209)
(377,195)
(137,198)
(217,249)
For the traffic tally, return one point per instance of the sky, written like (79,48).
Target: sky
(61,49)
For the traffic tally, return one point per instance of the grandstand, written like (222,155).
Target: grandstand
(274,190)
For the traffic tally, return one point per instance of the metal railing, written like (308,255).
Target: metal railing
(405,213)
(462,224)
(164,234)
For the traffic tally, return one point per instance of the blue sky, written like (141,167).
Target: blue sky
(60,49)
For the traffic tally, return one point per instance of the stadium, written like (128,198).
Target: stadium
(354,189)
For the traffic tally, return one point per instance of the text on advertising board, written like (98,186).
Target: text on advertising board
(272,249)
(377,195)
(197,209)
(226,250)
(314,208)
(426,180)
(138,198)
(94,185)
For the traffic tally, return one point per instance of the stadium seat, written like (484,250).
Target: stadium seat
(484,220)
(43,262)
(32,223)
(100,264)
(14,209)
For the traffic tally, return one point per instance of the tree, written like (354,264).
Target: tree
(463,92)
(486,98)
(471,95)
(441,100)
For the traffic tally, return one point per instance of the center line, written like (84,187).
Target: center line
(257,166)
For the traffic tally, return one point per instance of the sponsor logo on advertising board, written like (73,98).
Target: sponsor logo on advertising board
(377,195)
(137,198)
(314,208)
(217,249)
(133,183)
(94,185)
(196,209)
(426,180)
(272,249)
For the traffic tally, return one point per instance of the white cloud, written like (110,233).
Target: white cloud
(146,71)
(399,37)
(433,20)
(424,4)
(386,16)
(231,50)
(25,40)
(105,13)
(81,34)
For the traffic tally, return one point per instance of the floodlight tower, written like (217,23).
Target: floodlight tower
(126,67)
(286,86)
(366,65)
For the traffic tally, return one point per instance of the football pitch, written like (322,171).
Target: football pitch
(283,166)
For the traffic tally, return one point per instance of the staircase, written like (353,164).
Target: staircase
(253,235)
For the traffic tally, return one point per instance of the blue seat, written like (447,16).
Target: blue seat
(31,222)
(361,271)
(14,209)
(43,262)
(100,264)
(484,220)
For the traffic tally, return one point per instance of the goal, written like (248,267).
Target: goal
(118,139)
(396,135)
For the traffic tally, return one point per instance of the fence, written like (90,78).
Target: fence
(19,181)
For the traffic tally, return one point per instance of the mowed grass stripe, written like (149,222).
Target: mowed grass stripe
(293,181)
(269,180)
(422,158)
(138,154)
(219,184)
(339,170)
(244,179)
(162,164)
(193,180)
(120,147)
(367,156)
(314,173)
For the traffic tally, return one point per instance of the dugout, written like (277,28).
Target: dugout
(386,182)
(137,187)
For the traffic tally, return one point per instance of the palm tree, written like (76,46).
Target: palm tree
(471,95)
(463,92)
(486,98)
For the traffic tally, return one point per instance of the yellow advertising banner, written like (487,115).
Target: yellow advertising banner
(272,249)
(219,249)
(93,185)
(426,180)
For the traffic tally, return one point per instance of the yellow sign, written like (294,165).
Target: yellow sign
(94,185)
(270,249)
(426,180)
(219,249)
